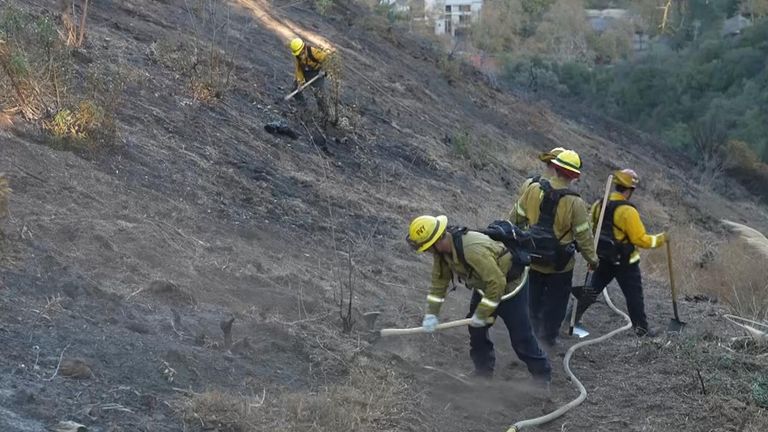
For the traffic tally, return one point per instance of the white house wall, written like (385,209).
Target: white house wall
(436,10)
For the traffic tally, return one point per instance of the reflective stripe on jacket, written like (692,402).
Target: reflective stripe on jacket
(628,226)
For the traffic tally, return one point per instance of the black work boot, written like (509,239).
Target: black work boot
(540,386)
(482,374)
(646,332)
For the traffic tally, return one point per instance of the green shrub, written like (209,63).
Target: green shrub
(79,126)
(35,64)
(461,142)
(323,6)
(760,391)
(743,164)
(673,93)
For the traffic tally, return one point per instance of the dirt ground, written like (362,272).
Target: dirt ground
(132,258)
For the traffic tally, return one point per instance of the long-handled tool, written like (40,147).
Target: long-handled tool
(574,329)
(675,325)
(583,333)
(417,330)
(303,86)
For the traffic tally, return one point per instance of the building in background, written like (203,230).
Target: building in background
(452,17)
(602,19)
(733,26)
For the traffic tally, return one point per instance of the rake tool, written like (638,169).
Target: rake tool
(370,319)
(303,86)
(417,330)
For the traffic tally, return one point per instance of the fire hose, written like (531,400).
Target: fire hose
(757,330)
(567,366)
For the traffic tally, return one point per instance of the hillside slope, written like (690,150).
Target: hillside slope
(133,258)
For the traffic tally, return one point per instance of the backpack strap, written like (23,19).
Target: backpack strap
(608,222)
(457,235)
(310,55)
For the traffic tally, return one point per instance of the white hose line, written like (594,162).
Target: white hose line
(567,366)
(758,334)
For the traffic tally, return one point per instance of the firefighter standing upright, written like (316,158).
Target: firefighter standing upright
(309,63)
(558,218)
(622,233)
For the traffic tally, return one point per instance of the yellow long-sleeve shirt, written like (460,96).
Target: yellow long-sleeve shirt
(627,226)
(305,62)
(489,261)
(571,220)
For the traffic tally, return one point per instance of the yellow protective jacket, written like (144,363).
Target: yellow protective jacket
(521,190)
(627,226)
(307,62)
(571,221)
(489,261)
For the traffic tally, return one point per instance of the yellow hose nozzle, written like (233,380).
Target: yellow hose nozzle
(512,429)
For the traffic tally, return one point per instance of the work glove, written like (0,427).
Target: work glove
(429,323)
(477,322)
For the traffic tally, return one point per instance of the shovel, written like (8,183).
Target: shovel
(675,325)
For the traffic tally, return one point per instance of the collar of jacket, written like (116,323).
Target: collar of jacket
(616,196)
(454,262)
(557,182)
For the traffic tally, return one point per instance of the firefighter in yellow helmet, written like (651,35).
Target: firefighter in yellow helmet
(545,157)
(498,289)
(558,221)
(622,233)
(309,63)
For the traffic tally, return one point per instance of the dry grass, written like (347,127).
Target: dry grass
(727,268)
(92,122)
(334,67)
(693,252)
(51,308)
(36,72)
(211,58)
(369,399)
(744,259)
(74,27)
(75,368)
(79,124)
(224,412)
(34,62)
(5,195)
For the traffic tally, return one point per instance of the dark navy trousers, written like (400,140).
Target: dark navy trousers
(514,313)
(549,301)
(631,283)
